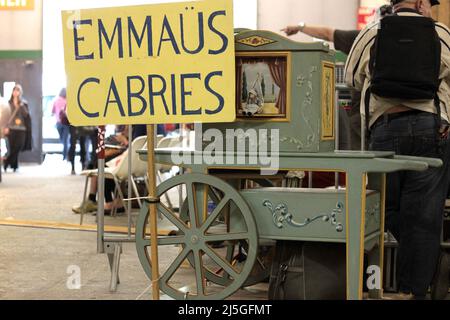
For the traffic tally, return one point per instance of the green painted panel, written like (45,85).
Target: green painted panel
(303,133)
(21,54)
(305,214)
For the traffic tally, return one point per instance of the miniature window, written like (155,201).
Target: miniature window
(262,86)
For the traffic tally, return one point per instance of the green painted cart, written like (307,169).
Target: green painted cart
(224,229)
(354,216)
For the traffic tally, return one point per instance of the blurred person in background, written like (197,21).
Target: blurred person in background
(62,122)
(77,135)
(115,146)
(5,114)
(18,129)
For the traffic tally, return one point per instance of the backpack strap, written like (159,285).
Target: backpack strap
(367,111)
(437,103)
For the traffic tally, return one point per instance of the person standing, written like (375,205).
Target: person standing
(402,67)
(62,123)
(77,135)
(18,129)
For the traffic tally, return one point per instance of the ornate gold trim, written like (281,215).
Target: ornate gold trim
(255,41)
(328,109)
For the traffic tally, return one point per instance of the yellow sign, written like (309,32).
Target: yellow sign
(16,5)
(164,63)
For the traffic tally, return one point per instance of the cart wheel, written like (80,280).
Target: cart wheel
(440,284)
(237,253)
(197,239)
(261,269)
(215,197)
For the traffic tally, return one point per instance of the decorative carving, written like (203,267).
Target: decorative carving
(255,41)
(281,216)
(300,81)
(300,144)
(306,112)
(307,108)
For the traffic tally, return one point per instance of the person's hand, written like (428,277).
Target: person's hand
(6,131)
(291,30)
(122,139)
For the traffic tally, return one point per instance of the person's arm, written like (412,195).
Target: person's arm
(319,32)
(444,35)
(444,89)
(344,39)
(444,97)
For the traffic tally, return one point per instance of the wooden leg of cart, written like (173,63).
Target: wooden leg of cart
(153,210)
(356,211)
(377,181)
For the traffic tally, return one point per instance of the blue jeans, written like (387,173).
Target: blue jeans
(414,200)
(64,131)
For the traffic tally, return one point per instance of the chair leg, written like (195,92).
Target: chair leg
(84,200)
(136,191)
(116,195)
(119,190)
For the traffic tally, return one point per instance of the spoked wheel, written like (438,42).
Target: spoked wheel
(198,236)
(236,253)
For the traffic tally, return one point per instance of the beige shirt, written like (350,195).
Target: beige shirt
(357,74)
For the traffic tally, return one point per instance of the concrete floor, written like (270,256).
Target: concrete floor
(36,263)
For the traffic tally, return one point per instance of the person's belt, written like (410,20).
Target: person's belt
(397,115)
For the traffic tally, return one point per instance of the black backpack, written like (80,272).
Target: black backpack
(405,60)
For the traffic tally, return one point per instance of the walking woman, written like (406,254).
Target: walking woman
(18,129)
(62,123)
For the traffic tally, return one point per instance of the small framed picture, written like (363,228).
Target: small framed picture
(263,86)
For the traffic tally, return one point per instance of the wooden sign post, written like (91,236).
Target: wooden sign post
(153,210)
(151,64)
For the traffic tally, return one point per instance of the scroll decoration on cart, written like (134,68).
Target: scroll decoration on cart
(280,215)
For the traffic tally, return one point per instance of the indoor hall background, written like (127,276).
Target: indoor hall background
(21,62)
